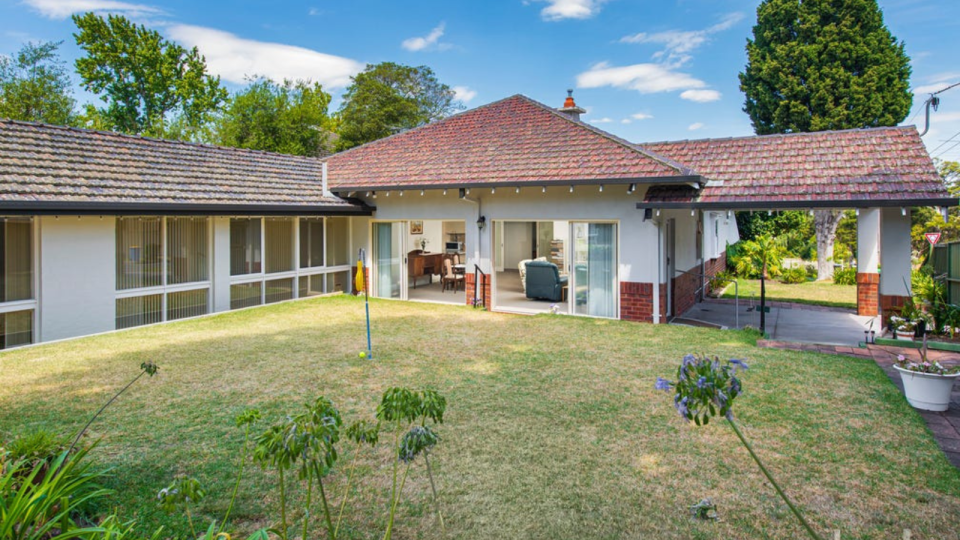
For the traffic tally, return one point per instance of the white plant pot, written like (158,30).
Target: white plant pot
(927,391)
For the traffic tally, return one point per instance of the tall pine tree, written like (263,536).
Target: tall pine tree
(817,65)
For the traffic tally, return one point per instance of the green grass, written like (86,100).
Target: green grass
(820,293)
(553,428)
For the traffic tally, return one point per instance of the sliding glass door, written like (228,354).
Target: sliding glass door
(387,273)
(594,269)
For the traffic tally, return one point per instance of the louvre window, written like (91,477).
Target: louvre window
(183,304)
(139,253)
(311,242)
(278,290)
(245,254)
(187,250)
(338,233)
(16,328)
(139,310)
(245,295)
(279,245)
(311,285)
(16,259)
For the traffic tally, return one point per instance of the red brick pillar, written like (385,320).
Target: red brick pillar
(470,287)
(868,294)
(891,305)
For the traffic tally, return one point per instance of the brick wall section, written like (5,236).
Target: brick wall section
(471,286)
(868,294)
(714,267)
(636,301)
(891,305)
(685,291)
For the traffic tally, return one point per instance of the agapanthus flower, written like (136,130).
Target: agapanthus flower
(662,384)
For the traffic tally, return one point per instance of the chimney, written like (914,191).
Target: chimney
(570,108)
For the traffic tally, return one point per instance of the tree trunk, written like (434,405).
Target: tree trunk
(825,222)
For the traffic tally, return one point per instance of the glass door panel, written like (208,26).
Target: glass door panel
(387,260)
(594,269)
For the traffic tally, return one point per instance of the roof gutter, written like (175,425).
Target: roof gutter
(695,181)
(355,208)
(793,205)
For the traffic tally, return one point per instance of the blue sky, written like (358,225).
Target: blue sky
(645,70)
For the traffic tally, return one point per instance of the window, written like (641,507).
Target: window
(311,242)
(245,257)
(16,328)
(139,253)
(139,310)
(183,304)
(16,259)
(339,282)
(279,245)
(338,233)
(278,290)
(187,245)
(311,285)
(245,295)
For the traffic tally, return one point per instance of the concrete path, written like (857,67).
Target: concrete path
(785,322)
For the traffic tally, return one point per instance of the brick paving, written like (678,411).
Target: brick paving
(945,426)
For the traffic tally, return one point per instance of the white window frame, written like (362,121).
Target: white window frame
(33,304)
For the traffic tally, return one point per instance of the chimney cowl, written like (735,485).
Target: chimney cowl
(570,107)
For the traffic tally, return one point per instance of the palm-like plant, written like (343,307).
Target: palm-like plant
(762,255)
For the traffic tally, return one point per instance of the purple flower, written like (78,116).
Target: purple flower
(662,384)
(702,382)
(682,406)
(738,363)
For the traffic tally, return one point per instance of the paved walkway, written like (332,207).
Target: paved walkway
(786,321)
(944,425)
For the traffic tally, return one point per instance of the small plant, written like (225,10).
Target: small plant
(792,276)
(37,449)
(705,510)
(720,280)
(706,388)
(845,276)
(925,365)
(180,494)
(402,408)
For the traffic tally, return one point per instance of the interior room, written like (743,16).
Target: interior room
(531,264)
(436,262)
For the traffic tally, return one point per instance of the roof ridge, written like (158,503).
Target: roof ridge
(128,136)
(418,128)
(682,169)
(783,135)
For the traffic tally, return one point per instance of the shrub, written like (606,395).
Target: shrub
(36,448)
(846,276)
(794,275)
(811,271)
(720,280)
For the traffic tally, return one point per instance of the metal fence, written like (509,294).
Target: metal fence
(946,262)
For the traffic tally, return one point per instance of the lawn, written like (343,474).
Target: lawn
(553,428)
(821,293)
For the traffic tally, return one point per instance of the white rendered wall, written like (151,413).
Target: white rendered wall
(868,240)
(638,239)
(77,276)
(221,263)
(894,252)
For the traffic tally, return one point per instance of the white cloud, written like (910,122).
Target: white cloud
(695,126)
(678,44)
(626,121)
(931,88)
(430,41)
(603,120)
(700,96)
(641,116)
(61,9)
(313,12)
(233,58)
(570,9)
(464,93)
(644,78)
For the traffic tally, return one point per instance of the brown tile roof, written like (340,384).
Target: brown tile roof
(816,169)
(54,167)
(512,141)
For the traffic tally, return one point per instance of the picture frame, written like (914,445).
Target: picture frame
(416,227)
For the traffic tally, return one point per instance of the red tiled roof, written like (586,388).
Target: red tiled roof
(878,164)
(512,141)
(49,167)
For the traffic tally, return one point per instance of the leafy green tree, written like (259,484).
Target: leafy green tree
(817,65)
(387,98)
(761,256)
(289,118)
(35,87)
(926,219)
(146,81)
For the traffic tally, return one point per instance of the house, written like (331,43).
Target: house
(104,231)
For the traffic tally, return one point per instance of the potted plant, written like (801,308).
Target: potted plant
(927,385)
(900,328)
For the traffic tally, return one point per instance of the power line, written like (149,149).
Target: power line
(948,149)
(945,142)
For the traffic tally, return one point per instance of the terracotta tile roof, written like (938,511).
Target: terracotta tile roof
(44,166)
(878,164)
(513,141)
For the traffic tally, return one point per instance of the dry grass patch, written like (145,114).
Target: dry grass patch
(553,428)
